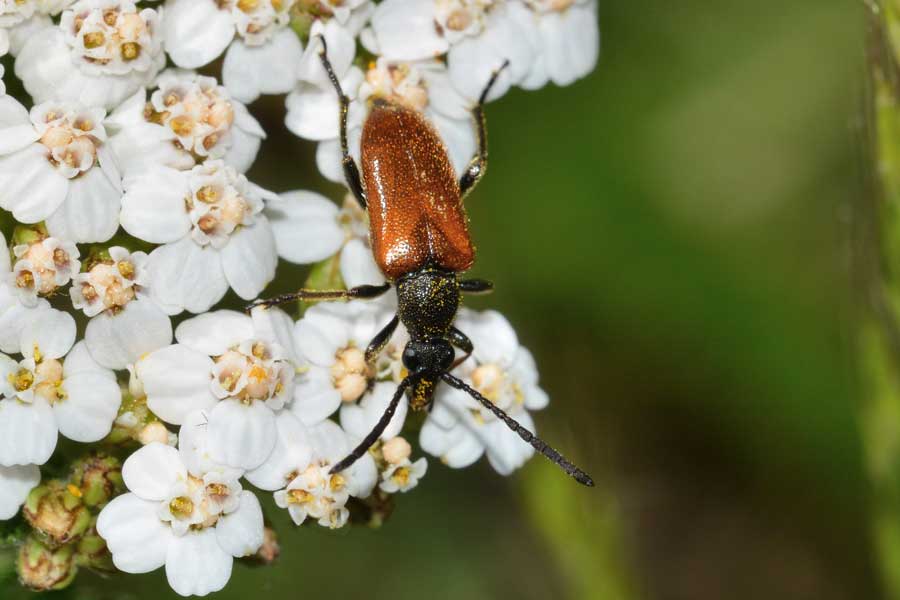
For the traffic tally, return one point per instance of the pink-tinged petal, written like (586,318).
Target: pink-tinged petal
(196,565)
(91,210)
(214,333)
(241,533)
(250,258)
(292,453)
(305,226)
(152,470)
(241,435)
(185,276)
(89,408)
(28,432)
(176,380)
(153,205)
(30,187)
(196,31)
(16,130)
(135,536)
(51,332)
(249,71)
(116,341)
(404,30)
(15,483)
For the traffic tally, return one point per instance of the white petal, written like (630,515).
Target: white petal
(196,31)
(14,317)
(359,419)
(305,226)
(244,145)
(571,43)
(153,205)
(506,451)
(292,453)
(250,258)
(341,50)
(90,407)
(315,397)
(241,435)
(185,276)
(213,333)
(249,71)
(135,536)
(30,187)
(275,325)
(79,360)
(27,432)
(16,130)
(241,532)
(459,138)
(494,338)
(196,564)
(90,212)
(358,266)
(51,331)
(176,381)
(405,30)
(458,447)
(152,471)
(363,476)
(116,341)
(321,333)
(15,483)
(193,445)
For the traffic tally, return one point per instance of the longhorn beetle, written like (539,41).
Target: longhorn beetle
(419,235)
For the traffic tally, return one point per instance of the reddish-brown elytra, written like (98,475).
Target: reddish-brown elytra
(420,238)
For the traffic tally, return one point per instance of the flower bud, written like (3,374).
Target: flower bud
(269,551)
(41,568)
(56,512)
(91,551)
(98,478)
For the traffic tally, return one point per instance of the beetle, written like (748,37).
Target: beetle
(419,235)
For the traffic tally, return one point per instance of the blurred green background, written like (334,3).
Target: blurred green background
(669,236)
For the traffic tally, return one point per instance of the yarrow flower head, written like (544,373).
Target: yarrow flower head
(101,52)
(42,267)
(55,166)
(193,523)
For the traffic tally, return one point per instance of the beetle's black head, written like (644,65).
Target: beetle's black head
(428,357)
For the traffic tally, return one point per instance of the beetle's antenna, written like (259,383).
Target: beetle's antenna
(376,432)
(536,442)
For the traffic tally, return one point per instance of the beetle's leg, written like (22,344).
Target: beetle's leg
(476,286)
(351,171)
(363,292)
(381,340)
(461,341)
(478,165)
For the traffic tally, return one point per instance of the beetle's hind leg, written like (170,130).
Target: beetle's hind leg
(478,165)
(351,171)
(360,292)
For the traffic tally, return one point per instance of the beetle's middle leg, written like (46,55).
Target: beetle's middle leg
(351,171)
(381,339)
(461,341)
(361,292)
(478,165)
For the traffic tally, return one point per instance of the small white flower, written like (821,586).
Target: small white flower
(188,118)
(262,49)
(309,228)
(193,523)
(477,36)
(15,483)
(45,394)
(43,267)
(21,19)
(568,41)
(55,165)
(213,234)
(233,367)
(332,339)
(101,53)
(458,429)
(126,322)
(298,469)
(402,476)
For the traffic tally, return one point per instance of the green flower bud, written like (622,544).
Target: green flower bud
(41,568)
(56,512)
(91,551)
(98,478)
(29,234)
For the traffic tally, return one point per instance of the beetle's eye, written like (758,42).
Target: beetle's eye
(411,359)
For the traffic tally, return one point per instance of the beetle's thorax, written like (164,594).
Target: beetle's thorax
(427,302)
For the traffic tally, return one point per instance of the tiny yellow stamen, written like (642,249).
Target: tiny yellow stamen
(181,507)
(74,490)
(95,39)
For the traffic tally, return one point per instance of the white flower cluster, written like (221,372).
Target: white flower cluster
(124,171)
